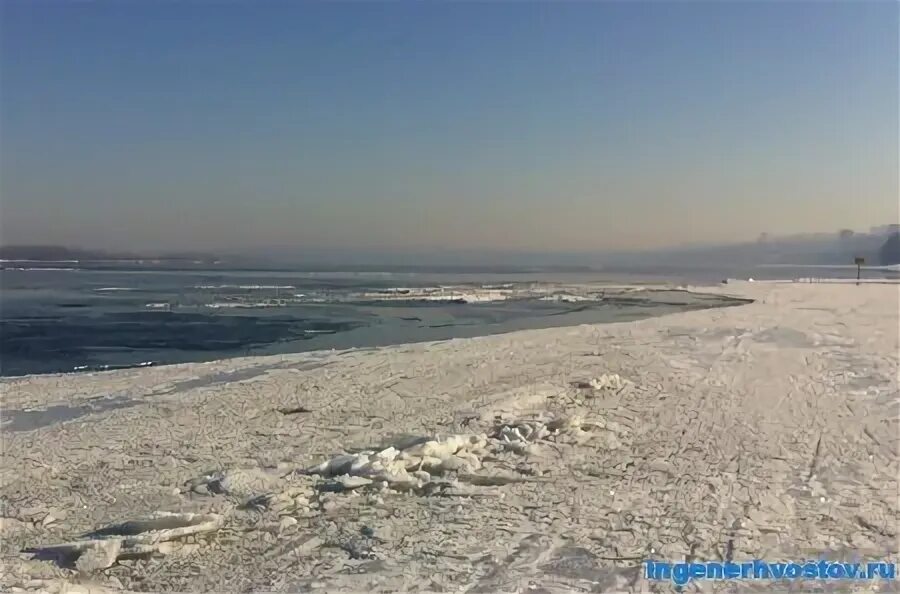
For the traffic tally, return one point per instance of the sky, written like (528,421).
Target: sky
(533,126)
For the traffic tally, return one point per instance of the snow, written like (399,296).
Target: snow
(440,294)
(537,459)
(245,287)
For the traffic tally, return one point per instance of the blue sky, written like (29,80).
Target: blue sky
(522,126)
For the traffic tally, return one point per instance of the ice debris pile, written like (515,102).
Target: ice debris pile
(610,381)
(410,468)
(241,483)
(159,533)
(404,469)
(523,437)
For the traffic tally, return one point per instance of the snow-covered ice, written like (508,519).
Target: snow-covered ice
(545,459)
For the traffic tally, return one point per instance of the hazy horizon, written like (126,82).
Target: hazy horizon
(544,128)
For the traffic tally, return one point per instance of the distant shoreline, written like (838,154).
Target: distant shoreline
(891,267)
(198,266)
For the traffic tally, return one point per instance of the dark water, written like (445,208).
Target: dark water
(78,320)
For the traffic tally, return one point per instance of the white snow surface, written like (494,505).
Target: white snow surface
(548,460)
